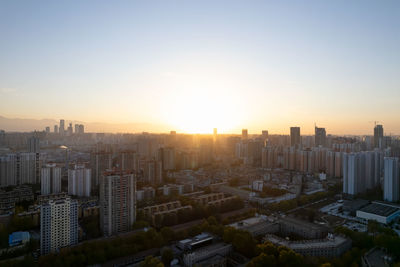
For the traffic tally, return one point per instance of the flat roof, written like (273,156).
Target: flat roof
(380,209)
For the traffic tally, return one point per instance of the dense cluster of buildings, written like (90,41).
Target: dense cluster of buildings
(102,176)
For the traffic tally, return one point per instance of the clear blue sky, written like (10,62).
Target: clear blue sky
(196,65)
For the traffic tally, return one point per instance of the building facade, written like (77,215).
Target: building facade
(58,225)
(117,201)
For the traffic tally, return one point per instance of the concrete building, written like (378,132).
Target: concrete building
(295,138)
(320,136)
(330,247)
(161,210)
(145,193)
(213,199)
(370,181)
(117,201)
(99,162)
(19,168)
(380,212)
(244,134)
(58,225)
(391,186)
(79,181)
(167,156)
(257,226)
(307,230)
(50,179)
(128,160)
(153,171)
(353,173)
(378,136)
(33,144)
(202,250)
(376,257)
(62,127)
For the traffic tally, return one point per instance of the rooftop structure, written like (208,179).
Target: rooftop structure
(257,225)
(206,253)
(196,242)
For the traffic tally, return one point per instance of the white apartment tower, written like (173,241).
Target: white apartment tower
(391,179)
(117,201)
(353,170)
(50,179)
(79,181)
(58,225)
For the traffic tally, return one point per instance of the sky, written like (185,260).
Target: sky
(199,65)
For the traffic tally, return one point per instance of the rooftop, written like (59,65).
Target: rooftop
(380,209)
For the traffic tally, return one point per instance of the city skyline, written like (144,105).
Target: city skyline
(31,125)
(199,66)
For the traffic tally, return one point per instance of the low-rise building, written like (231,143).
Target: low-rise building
(380,212)
(201,255)
(376,257)
(18,194)
(331,246)
(163,209)
(257,226)
(145,193)
(213,199)
(307,230)
(18,238)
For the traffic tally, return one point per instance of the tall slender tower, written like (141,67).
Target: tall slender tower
(378,136)
(320,136)
(50,180)
(295,138)
(62,127)
(117,201)
(391,179)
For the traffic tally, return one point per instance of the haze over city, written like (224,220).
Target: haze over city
(192,66)
(182,133)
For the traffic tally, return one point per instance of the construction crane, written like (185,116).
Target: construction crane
(375,122)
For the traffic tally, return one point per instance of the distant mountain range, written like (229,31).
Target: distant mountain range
(28,125)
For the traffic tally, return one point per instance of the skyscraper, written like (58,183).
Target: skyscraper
(378,136)
(167,156)
(81,129)
(79,181)
(244,134)
(320,136)
(50,179)
(58,225)
(55,128)
(33,144)
(295,136)
(117,201)
(353,173)
(70,129)
(99,161)
(62,127)
(391,179)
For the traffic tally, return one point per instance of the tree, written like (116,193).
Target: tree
(140,224)
(167,255)
(150,261)
(167,233)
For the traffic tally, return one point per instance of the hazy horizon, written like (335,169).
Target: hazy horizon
(192,66)
(14,125)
